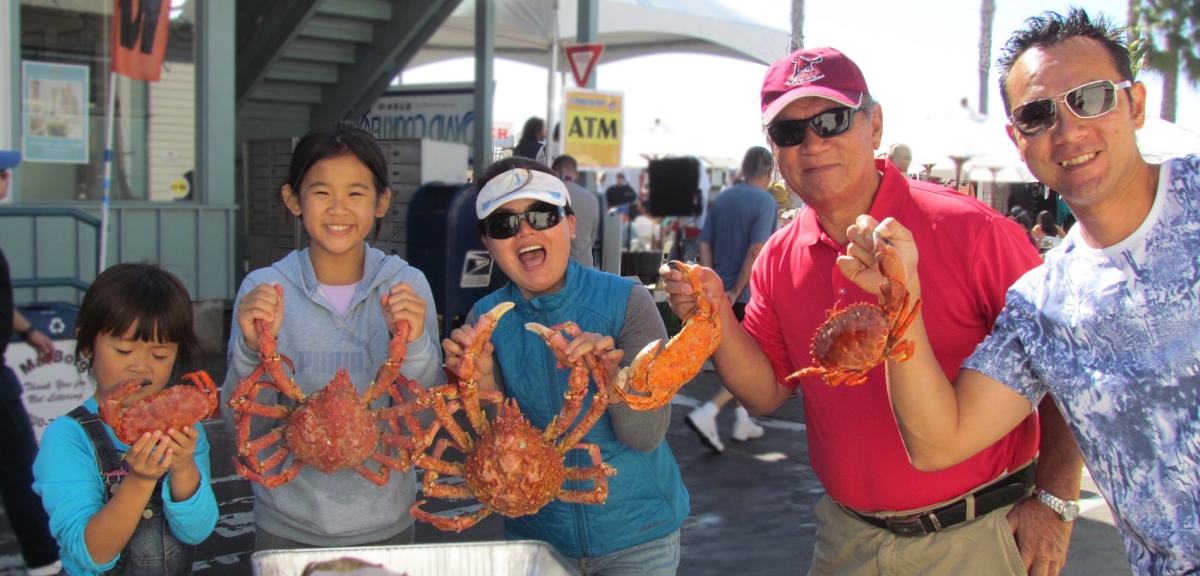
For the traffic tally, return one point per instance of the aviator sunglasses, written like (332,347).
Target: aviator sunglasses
(828,124)
(540,216)
(1088,101)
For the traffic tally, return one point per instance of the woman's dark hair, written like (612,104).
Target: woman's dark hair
(1046,221)
(502,166)
(1050,29)
(335,141)
(532,127)
(140,295)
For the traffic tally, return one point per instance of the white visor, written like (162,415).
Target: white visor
(517,184)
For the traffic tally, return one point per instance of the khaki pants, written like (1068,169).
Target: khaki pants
(847,546)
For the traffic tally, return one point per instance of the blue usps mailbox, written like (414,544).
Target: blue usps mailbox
(441,243)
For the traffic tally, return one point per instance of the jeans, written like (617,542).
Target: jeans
(18,448)
(655,558)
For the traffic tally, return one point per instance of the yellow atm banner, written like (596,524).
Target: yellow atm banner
(594,124)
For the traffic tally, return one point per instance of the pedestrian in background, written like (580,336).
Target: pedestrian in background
(532,143)
(587,207)
(18,445)
(735,230)
(621,193)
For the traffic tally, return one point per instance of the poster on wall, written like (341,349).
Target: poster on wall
(54,100)
(594,124)
(51,389)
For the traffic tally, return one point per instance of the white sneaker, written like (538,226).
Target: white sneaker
(704,422)
(47,570)
(744,428)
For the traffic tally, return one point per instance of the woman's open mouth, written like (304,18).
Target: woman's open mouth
(532,256)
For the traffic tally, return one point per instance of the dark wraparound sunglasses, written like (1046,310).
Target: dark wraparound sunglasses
(1088,101)
(541,216)
(827,124)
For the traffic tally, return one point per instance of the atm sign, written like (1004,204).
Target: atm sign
(594,124)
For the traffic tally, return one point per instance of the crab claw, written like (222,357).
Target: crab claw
(554,338)
(636,372)
(110,405)
(485,325)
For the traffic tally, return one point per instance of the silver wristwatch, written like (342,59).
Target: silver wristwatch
(1068,509)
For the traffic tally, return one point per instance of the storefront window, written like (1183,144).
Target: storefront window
(154,130)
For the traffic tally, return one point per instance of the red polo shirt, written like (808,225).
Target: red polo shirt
(970,255)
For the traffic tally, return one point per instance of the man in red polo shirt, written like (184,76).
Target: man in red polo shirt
(881,515)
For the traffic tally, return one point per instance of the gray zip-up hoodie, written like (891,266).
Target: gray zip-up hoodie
(343,508)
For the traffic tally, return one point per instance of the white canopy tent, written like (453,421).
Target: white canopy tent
(525,30)
(1159,140)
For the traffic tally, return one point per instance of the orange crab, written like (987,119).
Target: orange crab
(659,378)
(173,407)
(512,467)
(858,338)
(333,429)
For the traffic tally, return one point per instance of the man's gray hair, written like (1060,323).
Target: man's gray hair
(757,163)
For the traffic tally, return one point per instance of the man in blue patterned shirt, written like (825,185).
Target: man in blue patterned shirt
(1109,325)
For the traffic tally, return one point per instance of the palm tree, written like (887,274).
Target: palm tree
(988,14)
(797,26)
(1165,37)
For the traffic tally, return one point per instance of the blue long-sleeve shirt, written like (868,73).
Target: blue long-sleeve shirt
(67,479)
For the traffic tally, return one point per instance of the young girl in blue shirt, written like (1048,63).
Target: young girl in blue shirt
(117,508)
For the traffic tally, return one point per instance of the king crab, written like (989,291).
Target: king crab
(512,467)
(333,429)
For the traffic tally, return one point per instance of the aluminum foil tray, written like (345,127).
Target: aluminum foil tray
(518,558)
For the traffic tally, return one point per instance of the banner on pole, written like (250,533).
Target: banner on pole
(54,111)
(583,59)
(594,122)
(140,38)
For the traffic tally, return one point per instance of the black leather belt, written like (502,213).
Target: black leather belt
(989,499)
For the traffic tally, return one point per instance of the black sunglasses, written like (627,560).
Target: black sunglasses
(827,124)
(1088,101)
(541,216)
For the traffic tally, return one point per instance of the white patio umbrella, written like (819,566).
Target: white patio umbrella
(627,28)
(955,142)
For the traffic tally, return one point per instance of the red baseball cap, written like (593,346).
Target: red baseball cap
(823,72)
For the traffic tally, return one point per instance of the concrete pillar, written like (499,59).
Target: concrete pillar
(215,102)
(485,50)
(589,24)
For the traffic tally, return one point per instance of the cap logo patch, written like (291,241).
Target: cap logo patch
(803,70)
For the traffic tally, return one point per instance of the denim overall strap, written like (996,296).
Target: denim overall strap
(153,550)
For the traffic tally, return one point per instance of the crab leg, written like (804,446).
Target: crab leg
(397,350)
(258,444)
(457,524)
(271,362)
(274,481)
(466,367)
(452,428)
(573,399)
(379,478)
(599,404)
(599,472)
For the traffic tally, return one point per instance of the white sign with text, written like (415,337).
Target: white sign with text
(52,389)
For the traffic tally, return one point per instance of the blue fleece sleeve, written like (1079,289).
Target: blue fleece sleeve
(192,520)
(66,477)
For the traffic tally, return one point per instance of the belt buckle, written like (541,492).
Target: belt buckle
(908,526)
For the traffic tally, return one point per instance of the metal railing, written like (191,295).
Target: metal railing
(79,216)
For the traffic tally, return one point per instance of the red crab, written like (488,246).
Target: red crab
(858,338)
(659,378)
(333,429)
(512,467)
(174,407)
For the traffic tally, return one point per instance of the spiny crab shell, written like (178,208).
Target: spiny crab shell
(513,468)
(852,338)
(333,430)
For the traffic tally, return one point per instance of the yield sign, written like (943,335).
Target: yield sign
(583,57)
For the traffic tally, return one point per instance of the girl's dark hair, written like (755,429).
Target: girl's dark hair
(1046,221)
(144,296)
(532,127)
(502,166)
(334,141)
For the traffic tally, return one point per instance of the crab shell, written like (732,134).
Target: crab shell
(333,430)
(853,338)
(513,469)
(175,407)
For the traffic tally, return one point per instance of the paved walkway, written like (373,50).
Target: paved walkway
(751,505)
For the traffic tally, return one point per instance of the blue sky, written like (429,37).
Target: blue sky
(919,59)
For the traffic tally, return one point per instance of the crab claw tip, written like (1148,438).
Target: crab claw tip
(500,309)
(542,331)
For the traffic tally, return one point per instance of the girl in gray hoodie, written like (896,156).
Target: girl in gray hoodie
(329,314)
